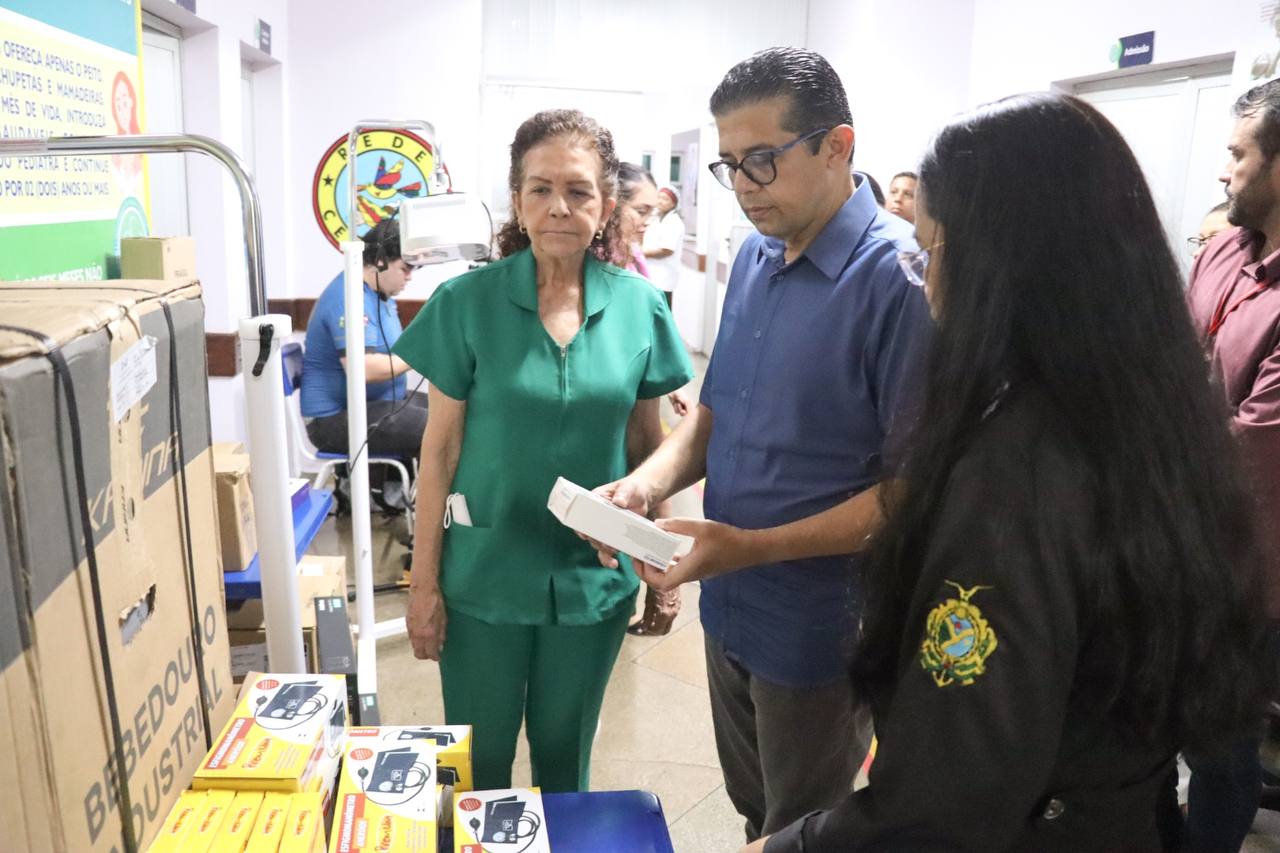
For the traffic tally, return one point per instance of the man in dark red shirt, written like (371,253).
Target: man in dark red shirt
(1235,302)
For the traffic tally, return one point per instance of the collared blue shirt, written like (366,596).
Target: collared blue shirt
(324,381)
(814,365)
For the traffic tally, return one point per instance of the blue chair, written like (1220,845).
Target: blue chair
(323,461)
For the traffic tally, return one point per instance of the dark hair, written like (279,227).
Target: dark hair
(1264,99)
(382,242)
(580,130)
(815,96)
(912,175)
(1058,279)
(1220,207)
(875,187)
(630,176)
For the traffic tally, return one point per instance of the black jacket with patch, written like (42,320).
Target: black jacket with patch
(987,741)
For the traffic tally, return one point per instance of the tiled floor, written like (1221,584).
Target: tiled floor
(655,729)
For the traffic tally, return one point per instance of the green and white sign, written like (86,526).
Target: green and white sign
(69,68)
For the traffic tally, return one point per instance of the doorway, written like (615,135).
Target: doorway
(1177,121)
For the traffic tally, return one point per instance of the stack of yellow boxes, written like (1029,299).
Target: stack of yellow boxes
(264,785)
(391,792)
(242,822)
(285,735)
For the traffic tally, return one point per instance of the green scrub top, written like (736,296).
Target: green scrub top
(535,412)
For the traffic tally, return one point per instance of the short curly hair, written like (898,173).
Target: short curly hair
(582,130)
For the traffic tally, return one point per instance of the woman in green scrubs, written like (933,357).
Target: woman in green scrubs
(547,363)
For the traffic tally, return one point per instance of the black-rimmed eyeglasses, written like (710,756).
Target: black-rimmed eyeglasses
(759,166)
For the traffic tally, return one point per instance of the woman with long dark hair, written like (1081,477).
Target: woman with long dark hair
(1063,593)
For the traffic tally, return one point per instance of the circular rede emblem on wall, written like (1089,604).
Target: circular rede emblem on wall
(391,165)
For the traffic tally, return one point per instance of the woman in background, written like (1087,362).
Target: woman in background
(638,201)
(663,243)
(1064,593)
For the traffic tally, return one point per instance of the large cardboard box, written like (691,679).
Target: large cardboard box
(59,775)
(165,258)
(236,528)
(318,577)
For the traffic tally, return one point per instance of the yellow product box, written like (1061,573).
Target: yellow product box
(452,744)
(388,799)
(208,822)
(487,821)
(268,829)
(283,729)
(238,825)
(324,779)
(179,822)
(304,830)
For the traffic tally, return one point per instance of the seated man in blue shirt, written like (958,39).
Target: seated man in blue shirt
(396,419)
(820,342)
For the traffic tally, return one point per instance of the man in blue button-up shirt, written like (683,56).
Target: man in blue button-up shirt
(819,344)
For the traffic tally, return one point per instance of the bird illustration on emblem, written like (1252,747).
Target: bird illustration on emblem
(957,639)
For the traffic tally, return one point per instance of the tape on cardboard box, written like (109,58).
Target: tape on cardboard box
(484,821)
(282,728)
(388,798)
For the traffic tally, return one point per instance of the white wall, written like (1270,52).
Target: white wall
(909,65)
(1017,47)
(214,44)
(393,59)
(645,70)
(906,67)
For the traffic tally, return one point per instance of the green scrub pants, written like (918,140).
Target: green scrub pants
(552,677)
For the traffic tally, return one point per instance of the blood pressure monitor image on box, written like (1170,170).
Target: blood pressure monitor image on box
(294,703)
(281,728)
(388,798)
(447,773)
(506,822)
(510,821)
(397,777)
(440,737)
